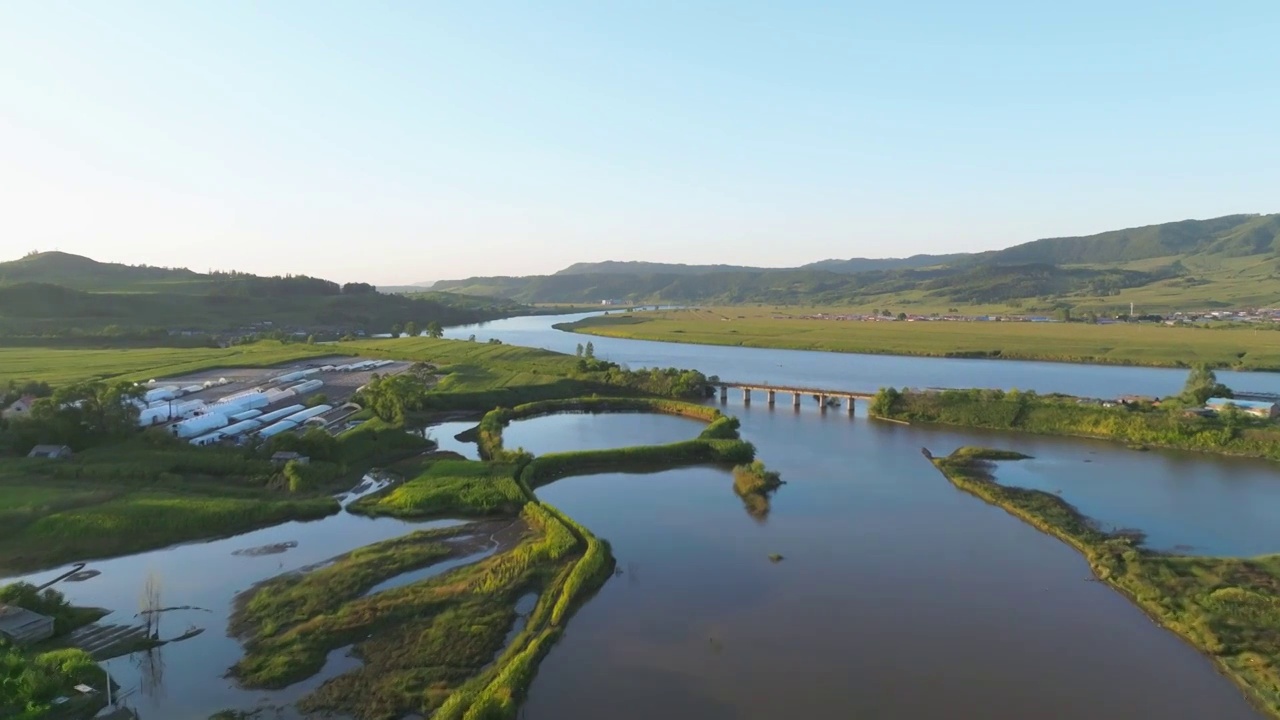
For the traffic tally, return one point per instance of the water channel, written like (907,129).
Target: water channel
(899,596)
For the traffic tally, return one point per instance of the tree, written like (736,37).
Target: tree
(902,316)
(472,338)
(395,330)
(411,329)
(1202,384)
(885,313)
(1064,314)
(435,330)
(311,339)
(589,351)
(578,351)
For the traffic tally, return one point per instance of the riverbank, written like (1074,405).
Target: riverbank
(1138,425)
(1118,344)
(1228,608)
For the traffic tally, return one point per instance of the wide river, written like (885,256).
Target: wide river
(898,596)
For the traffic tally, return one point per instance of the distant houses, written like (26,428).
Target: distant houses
(285,457)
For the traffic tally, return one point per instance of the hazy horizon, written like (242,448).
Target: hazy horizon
(410,143)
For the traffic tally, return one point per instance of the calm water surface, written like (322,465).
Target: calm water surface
(185,681)
(843,371)
(582,431)
(899,597)
(445,434)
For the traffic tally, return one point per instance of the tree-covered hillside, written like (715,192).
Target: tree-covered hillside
(1194,263)
(57,294)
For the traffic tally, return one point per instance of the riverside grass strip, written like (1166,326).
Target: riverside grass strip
(1228,608)
(1118,344)
(1136,426)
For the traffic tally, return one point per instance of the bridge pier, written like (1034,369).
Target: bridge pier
(746,396)
(822,402)
(795,400)
(850,408)
(771,396)
(724,393)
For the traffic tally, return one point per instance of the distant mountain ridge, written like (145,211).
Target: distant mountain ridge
(1174,260)
(56,293)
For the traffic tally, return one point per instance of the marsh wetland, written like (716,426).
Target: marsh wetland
(869,587)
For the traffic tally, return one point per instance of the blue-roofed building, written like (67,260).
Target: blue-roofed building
(1258,408)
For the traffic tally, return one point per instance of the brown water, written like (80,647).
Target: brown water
(899,596)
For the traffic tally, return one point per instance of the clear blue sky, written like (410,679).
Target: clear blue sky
(404,141)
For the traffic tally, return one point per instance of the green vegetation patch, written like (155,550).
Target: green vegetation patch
(419,642)
(138,495)
(31,682)
(1138,424)
(285,601)
(61,366)
(450,487)
(1227,607)
(755,483)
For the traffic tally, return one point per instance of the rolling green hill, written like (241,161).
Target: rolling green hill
(57,294)
(1222,262)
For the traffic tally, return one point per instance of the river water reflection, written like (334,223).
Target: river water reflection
(899,597)
(582,431)
(865,373)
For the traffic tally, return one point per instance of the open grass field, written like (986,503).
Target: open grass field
(1229,608)
(60,366)
(1121,344)
(135,495)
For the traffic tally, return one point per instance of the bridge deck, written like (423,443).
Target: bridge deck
(802,390)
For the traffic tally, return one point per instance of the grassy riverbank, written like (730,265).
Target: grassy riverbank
(1136,425)
(1227,607)
(120,500)
(1120,344)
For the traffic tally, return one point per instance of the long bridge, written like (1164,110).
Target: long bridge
(823,396)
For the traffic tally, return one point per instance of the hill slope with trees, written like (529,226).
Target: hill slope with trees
(1221,262)
(62,295)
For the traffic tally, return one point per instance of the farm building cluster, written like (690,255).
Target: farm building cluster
(252,405)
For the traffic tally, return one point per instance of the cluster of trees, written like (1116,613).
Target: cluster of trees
(391,398)
(411,329)
(1203,384)
(246,284)
(14,390)
(1166,425)
(78,415)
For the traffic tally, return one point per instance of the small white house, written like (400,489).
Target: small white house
(20,408)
